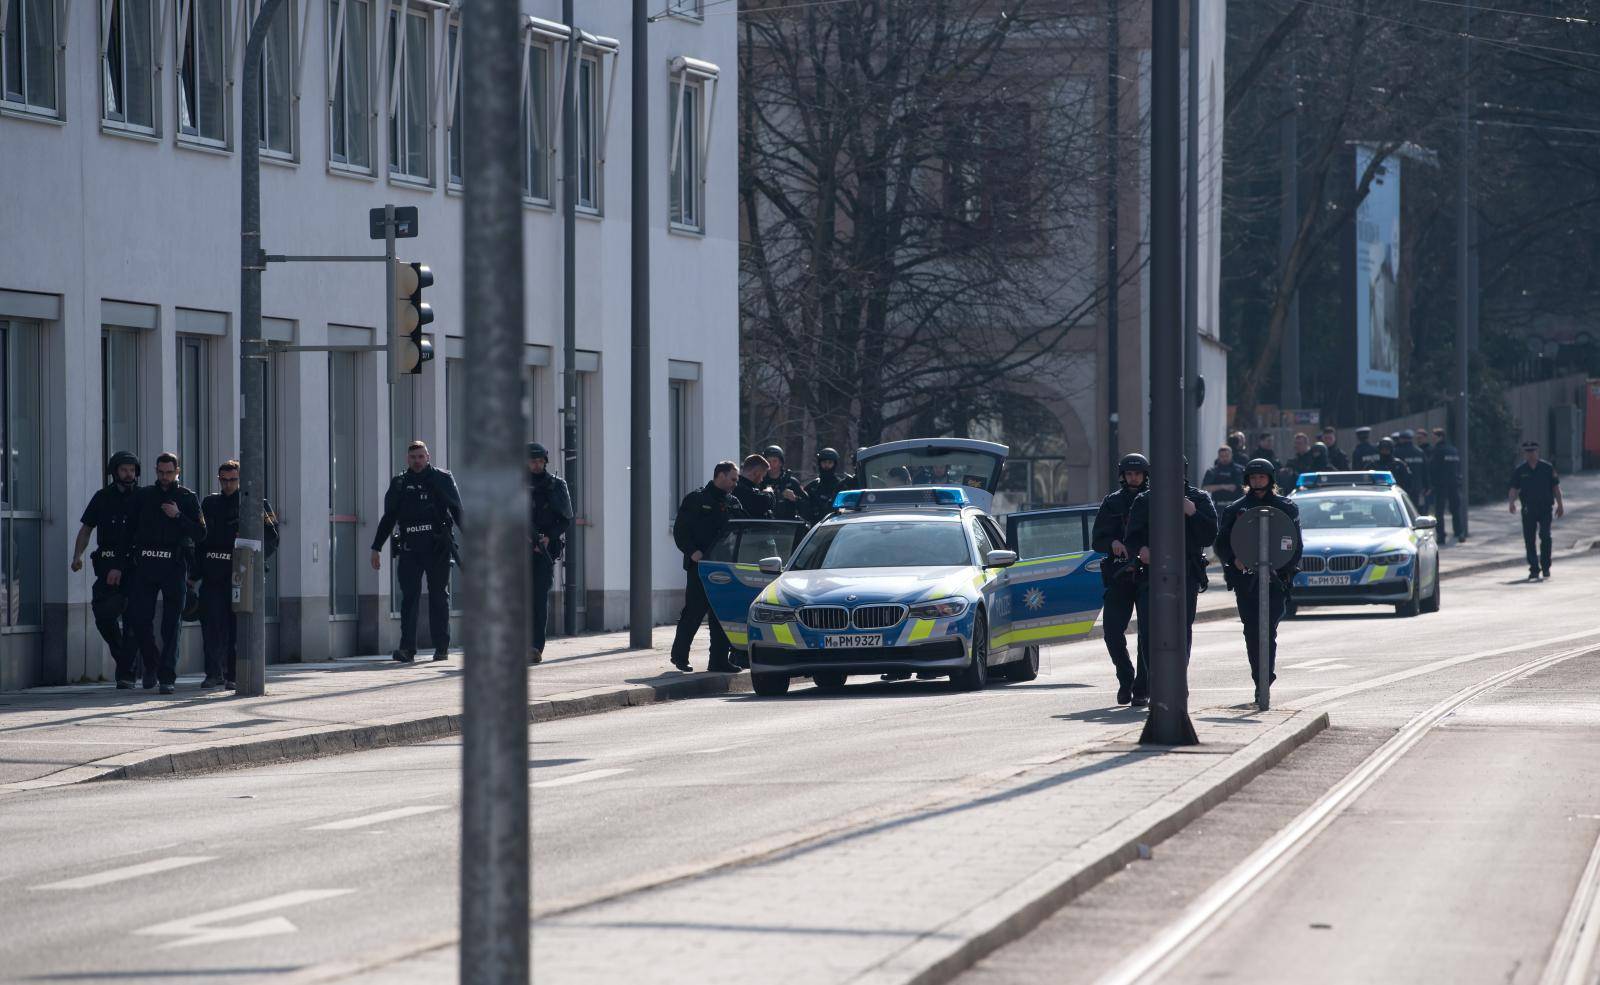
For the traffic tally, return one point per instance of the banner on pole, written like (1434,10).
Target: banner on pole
(1377,266)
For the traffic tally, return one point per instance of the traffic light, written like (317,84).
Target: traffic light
(407,347)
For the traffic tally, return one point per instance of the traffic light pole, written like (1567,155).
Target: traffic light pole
(641,610)
(569,321)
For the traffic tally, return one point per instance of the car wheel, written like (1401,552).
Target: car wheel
(830,682)
(770,685)
(1431,603)
(975,675)
(1411,606)
(1025,669)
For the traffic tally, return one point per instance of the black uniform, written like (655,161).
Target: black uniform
(219,624)
(782,508)
(1364,457)
(702,517)
(1446,472)
(1231,474)
(1122,595)
(112,514)
(756,501)
(422,509)
(821,490)
(1536,489)
(159,545)
(1400,470)
(1417,463)
(1199,532)
(1306,461)
(549,515)
(1244,586)
(1338,461)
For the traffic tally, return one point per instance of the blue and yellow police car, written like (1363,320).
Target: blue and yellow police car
(1365,544)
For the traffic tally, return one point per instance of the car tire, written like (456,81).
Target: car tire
(1024,670)
(975,675)
(1412,606)
(1431,603)
(829,682)
(770,685)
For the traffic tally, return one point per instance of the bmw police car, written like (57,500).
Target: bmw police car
(1365,544)
(906,578)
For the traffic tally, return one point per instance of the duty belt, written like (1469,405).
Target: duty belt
(147,552)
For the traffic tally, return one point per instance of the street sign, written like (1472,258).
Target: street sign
(1264,538)
(405,223)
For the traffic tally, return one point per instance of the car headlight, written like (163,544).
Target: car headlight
(771,613)
(1399,557)
(942,609)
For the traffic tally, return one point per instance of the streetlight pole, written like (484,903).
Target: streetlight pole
(641,610)
(1466,284)
(1113,95)
(1168,723)
(573,564)
(1191,257)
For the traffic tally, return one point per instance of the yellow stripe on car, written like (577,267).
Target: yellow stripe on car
(921,630)
(1037,633)
(784,633)
(737,638)
(1377,572)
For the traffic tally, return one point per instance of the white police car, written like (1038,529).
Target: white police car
(1365,544)
(904,579)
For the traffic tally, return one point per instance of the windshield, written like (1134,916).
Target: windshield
(935,467)
(1341,512)
(884,544)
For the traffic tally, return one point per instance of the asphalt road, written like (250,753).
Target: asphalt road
(257,875)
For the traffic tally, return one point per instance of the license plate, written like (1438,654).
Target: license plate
(852,641)
(1315,580)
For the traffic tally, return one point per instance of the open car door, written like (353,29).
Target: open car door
(1054,588)
(730,574)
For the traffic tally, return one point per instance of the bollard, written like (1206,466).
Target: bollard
(1264,661)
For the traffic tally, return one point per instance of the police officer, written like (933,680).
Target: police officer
(1303,460)
(1119,573)
(1365,454)
(1417,462)
(111,515)
(1445,468)
(1535,483)
(549,516)
(1244,584)
(1199,532)
(1224,480)
(702,517)
(790,501)
(755,497)
(422,508)
(219,624)
(1338,461)
(167,521)
(1388,462)
(1265,451)
(821,490)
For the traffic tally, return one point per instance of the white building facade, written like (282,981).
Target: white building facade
(119,287)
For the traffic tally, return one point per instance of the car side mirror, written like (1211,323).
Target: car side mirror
(770,565)
(999,559)
(1426,523)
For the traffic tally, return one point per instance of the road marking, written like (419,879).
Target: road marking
(379,818)
(562,781)
(1312,664)
(201,929)
(707,752)
(1573,960)
(128,872)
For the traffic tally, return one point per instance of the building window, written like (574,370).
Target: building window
(408,97)
(455,424)
(536,125)
(530,403)
(22,468)
(269,471)
(692,9)
(127,63)
(119,391)
(29,73)
(589,124)
(203,72)
(988,173)
(344,435)
(679,416)
(350,81)
(684,179)
(277,74)
(194,412)
(454,91)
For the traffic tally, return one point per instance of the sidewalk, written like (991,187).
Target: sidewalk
(59,735)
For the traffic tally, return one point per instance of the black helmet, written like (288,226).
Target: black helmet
(827,455)
(122,458)
(536,450)
(1407,434)
(774,451)
(1259,466)
(1135,462)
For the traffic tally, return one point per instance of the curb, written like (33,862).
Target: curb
(936,959)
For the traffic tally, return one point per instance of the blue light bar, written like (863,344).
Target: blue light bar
(1324,480)
(860,499)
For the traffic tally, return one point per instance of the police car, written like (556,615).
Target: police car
(1365,544)
(905,579)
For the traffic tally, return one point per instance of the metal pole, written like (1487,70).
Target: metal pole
(252,640)
(1113,450)
(1263,620)
(1191,258)
(641,610)
(494,754)
(388,295)
(1466,285)
(569,319)
(1288,226)
(1168,723)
